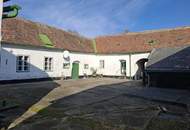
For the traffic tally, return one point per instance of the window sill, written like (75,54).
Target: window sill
(22,71)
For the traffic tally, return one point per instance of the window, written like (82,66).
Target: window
(66,65)
(22,64)
(48,64)
(101,64)
(86,66)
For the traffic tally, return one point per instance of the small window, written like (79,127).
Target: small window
(6,62)
(48,64)
(66,65)
(22,64)
(86,66)
(102,65)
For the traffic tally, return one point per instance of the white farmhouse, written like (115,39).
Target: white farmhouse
(35,51)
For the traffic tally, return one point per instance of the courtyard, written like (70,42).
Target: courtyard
(95,104)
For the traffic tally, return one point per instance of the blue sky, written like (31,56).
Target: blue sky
(93,18)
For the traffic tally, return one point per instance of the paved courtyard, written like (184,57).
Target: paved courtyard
(95,104)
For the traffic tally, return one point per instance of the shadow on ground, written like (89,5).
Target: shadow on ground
(25,95)
(108,107)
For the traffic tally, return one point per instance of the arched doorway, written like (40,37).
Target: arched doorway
(140,74)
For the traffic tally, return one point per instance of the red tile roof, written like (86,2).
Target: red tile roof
(143,41)
(24,32)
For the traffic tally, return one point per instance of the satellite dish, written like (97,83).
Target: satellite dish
(66,54)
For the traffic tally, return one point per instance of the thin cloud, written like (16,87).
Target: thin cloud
(90,18)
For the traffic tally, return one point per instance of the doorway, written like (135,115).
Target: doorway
(140,74)
(123,67)
(75,70)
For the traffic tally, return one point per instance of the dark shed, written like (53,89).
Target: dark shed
(169,67)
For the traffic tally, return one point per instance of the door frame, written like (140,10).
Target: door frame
(75,70)
(123,70)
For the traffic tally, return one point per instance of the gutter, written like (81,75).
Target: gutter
(1,11)
(26,45)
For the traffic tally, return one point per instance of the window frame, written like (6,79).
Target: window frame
(23,64)
(102,64)
(123,65)
(48,64)
(86,66)
(66,65)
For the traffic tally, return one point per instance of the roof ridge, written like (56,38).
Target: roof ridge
(147,31)
(103,36)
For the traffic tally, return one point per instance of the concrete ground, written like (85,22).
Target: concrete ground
(95,104)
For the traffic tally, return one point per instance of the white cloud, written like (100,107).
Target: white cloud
(90,18)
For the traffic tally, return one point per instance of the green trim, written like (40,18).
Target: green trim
(45,40)
(94,46)
(27,46)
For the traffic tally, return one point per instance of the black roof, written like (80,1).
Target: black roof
(176,59)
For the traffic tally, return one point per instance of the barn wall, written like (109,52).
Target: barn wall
(169,79)
(83,59)
(112,63)
(36,59)
(113,66)
(134,59)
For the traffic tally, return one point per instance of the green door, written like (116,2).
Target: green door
(75,71)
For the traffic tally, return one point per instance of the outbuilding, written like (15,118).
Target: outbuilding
(169,67)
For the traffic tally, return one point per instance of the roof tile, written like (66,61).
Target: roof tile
(143,41)
(24,32)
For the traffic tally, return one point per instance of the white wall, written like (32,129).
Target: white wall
(112,63)
(134,59)
(9,52)
(8,71)
(89,59)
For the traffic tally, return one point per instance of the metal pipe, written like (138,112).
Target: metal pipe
(130,66)
(1,12)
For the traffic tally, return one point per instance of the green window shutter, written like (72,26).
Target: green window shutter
(45,40)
